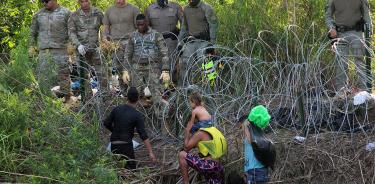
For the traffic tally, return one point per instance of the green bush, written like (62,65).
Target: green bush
(40,138)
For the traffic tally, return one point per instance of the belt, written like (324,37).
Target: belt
(346,28)
(119,142)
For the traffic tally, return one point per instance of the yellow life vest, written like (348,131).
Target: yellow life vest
(217,147)
(209,71)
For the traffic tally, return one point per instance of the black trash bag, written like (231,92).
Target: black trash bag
(264,149)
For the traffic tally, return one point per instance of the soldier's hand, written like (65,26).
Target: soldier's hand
(333,33)
(70,49)
(125,77)
(165,77)
(32,52)
(105,45)
(82,50)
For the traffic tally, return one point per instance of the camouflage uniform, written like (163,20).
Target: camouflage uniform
(84,30)
(201,25)
(165,20)
(49,29)
(121,22)
(147,55)
(343,16)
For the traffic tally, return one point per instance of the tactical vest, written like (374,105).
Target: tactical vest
(145,46)
(217,147)
(196,20)
(348,12)
(163,19)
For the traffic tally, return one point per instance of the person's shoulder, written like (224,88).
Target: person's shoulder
(42,10)
(195,110)
(133,6)
(206,6)
(152,6)
(133,34)
(65,10)
(157,34)
(110,9)
(96,10)
(174,5)
(75,13)
(153,31)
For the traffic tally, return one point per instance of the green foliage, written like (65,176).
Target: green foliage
(14,15)
(43,140)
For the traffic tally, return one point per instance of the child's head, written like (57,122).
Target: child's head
(195,100)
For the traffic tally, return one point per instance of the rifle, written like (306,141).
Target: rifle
(367,31)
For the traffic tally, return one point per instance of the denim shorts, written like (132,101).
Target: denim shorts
(257,176)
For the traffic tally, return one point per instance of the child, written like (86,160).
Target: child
(200,117)
(256,170)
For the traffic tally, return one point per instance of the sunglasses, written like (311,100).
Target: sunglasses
(45,1)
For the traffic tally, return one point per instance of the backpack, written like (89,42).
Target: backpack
(263,148)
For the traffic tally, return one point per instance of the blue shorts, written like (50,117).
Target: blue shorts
(257,176)
(201,124)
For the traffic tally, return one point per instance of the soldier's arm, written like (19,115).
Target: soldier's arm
(163,51)
(184,29)
(72,30)
(147,14)
(212,22)
(366,13)
(136,11)
(34,29)
(128,56)
(330,9)
(101,29)
(180,15)
(106,23)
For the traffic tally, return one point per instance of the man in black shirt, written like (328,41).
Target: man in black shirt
(121,122)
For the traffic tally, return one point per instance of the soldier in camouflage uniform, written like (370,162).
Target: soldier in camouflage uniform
(147,55)
(84,25)
(49,30)
(345,21)
(198,30)
(164,16)
(119,22)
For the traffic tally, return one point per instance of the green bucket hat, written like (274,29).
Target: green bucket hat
(259,116)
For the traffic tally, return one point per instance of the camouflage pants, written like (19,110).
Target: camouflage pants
(53,66)
(192,51)
(118,62)
(147,75)
(90,65)
(351,43)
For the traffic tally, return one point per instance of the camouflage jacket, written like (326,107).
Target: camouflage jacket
(50,29)
(84,29)
(150,47)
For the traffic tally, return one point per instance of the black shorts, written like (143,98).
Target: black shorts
(127,152)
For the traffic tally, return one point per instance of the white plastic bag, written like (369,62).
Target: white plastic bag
(370,146)
(135,145)
(361,97)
